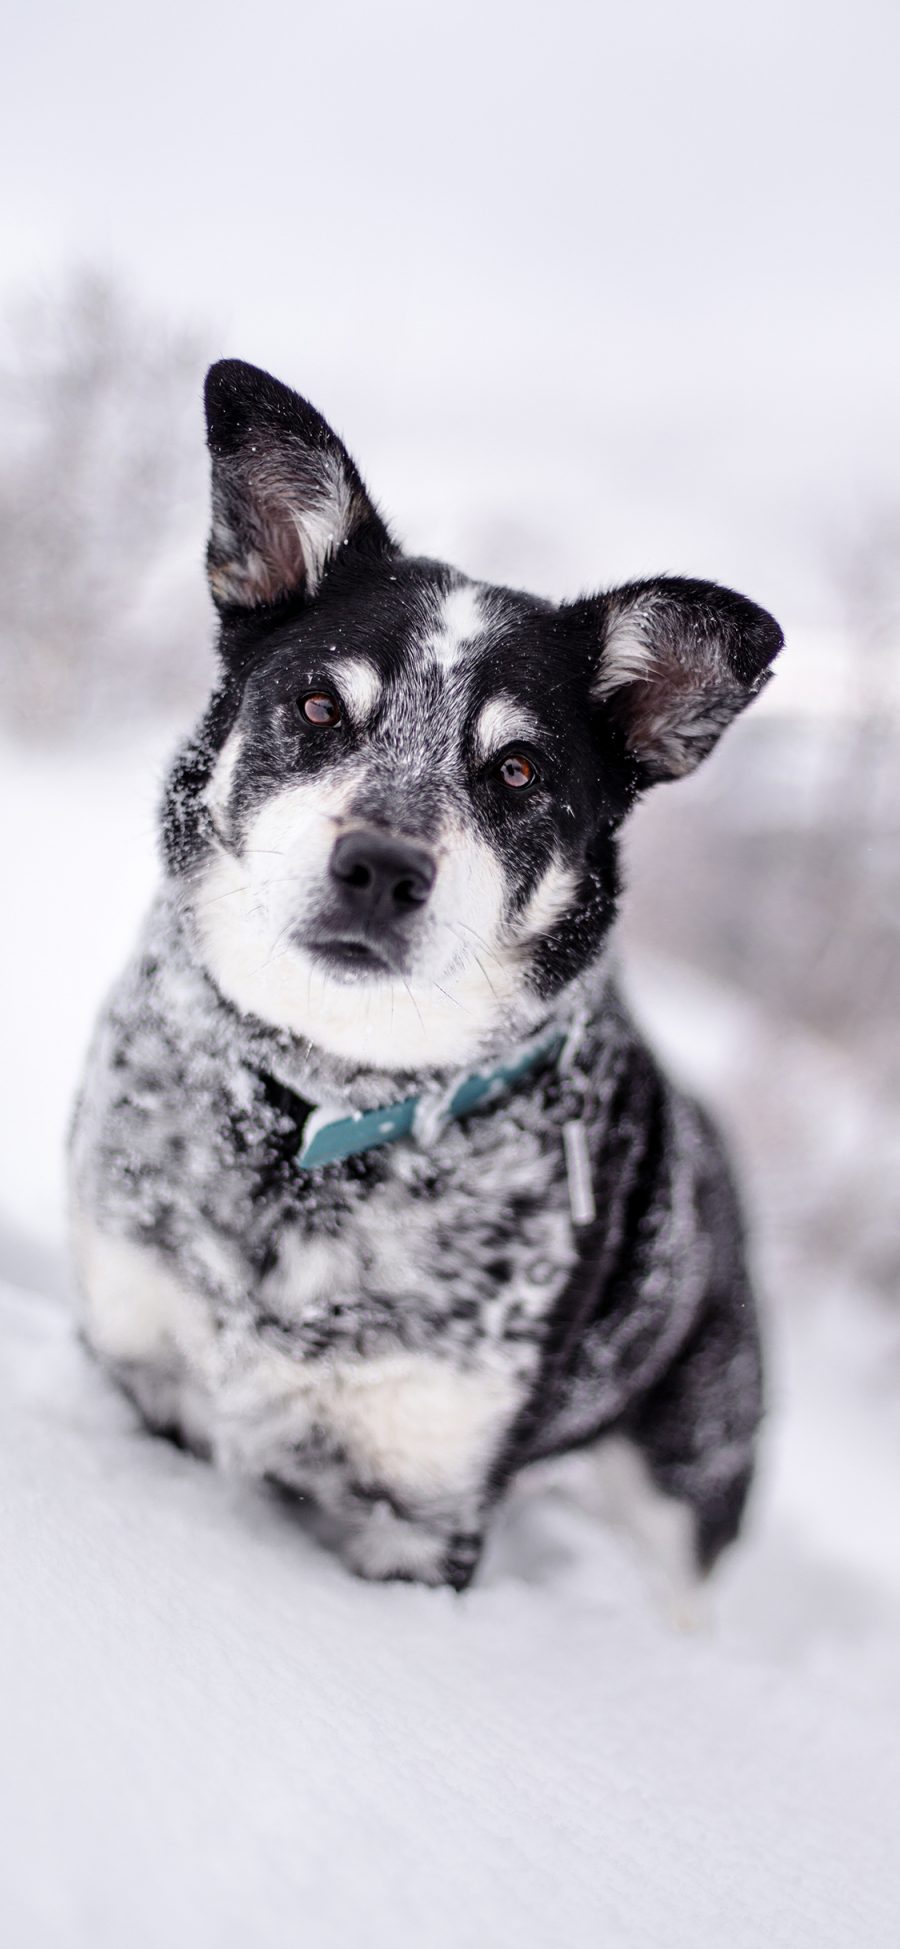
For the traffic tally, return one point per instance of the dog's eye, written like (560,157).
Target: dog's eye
(517,772)
(321,709)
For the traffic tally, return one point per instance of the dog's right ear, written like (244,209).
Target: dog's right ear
(674,661)
(285,492)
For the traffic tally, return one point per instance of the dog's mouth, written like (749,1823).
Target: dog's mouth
(344,955)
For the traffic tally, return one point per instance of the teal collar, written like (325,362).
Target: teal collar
(329,1136)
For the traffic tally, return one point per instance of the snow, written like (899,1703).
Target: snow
(212,1734)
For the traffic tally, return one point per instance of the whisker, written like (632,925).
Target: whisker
(281,880)
(481,941)
(449,998)
(477,959)
(414,1002)
(230,894)
(275,954)
(480,964)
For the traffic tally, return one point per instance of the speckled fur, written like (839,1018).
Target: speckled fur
(397,1334)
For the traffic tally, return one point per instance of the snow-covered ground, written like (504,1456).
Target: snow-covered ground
(210,1734)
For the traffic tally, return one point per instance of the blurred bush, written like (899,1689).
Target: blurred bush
(103,611)
(774,874)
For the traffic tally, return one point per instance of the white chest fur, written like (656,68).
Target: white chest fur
(414,1424)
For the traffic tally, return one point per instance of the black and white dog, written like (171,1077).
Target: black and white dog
(377,1193)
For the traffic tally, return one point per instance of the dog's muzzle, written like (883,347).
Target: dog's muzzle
(378,886)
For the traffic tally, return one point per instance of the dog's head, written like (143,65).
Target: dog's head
(396,828)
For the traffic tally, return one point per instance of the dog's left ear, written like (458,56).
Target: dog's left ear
(676,661)
(285,492)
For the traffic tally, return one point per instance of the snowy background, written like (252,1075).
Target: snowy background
(591,294)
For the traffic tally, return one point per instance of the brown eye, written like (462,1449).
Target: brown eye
(321,708)
(517,772)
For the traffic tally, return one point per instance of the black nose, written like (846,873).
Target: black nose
(380,877)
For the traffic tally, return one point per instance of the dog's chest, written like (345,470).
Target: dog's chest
(462,1251)
(401,1318)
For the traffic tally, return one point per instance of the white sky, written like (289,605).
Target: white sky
(621,281)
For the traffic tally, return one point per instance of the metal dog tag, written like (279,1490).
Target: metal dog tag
(578,1171)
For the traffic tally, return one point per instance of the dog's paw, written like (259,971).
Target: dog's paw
(390,1548)
(461,1557)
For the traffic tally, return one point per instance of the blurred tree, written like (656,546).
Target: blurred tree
(776,870)
(868,577)
(103,613)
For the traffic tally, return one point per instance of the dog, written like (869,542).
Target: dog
(377,1193)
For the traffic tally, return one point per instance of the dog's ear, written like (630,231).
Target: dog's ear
(675,662)
(285,492)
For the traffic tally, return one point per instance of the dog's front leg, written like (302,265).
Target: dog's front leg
(417,1436)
